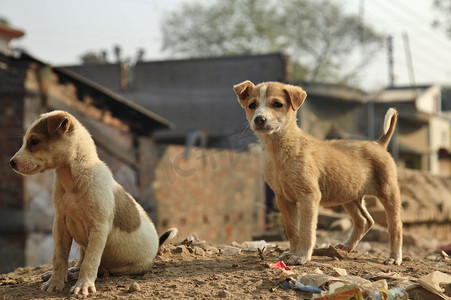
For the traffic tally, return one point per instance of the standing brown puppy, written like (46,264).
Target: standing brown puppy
(305,172)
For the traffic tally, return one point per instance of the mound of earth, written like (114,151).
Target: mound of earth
(197,270)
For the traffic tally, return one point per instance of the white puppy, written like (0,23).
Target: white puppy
(114,232)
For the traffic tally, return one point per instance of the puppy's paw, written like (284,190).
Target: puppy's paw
(83,287)
(54,283)
(292,259)
(393,261)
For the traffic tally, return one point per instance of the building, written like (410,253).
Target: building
(122,130)
(195,94)
(6,35)
(423,130)
(334,111)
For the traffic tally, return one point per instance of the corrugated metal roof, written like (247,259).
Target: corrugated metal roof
(139,118)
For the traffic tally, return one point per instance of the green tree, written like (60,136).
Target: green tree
(317,35)
(4,21)
(443,20)
(101,57)
(91,57)
(221,28)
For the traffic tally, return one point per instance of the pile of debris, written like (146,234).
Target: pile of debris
(338,284)
(385,286)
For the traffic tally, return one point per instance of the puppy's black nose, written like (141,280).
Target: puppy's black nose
(12,163)
(260,121)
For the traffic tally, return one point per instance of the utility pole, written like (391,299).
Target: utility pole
(408,59)
(361,27)
(391,72)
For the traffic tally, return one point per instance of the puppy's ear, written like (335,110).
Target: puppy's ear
(59,122)
(296,95)
(242,90)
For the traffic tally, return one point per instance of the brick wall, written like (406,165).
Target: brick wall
(217,194)
(11,126)
(148,156)
(12,223)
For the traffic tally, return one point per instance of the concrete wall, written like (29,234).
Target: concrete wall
(439,138)
(430,100)
(317,117)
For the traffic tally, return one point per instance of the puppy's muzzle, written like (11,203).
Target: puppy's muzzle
(13,164)
(260,122)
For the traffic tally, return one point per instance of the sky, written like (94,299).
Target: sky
(59,32)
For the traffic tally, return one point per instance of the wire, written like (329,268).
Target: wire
(422,61)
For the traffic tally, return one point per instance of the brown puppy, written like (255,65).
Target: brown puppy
(114,232)
(305,172)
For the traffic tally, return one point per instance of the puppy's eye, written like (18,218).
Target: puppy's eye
(34,142)
(253,105)
(277,104)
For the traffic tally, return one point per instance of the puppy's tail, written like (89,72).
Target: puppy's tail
(169,234)
(389,127)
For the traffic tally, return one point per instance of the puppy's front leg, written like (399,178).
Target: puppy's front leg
(308,212)
(62,242)
(290,216)
(72,272)
(300,221)
(91,260)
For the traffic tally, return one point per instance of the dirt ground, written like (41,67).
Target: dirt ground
(202,272)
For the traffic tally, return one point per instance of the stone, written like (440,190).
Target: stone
(341,224)
(134,287)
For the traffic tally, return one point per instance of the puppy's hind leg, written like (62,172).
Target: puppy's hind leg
(73,272)
(391,200)
(362,223)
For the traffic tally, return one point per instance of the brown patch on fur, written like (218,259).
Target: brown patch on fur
(59,122)
(43,132)
(38,137)
(126,215)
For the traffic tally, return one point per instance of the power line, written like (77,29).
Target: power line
(428,58)
(416,23)
(420,45)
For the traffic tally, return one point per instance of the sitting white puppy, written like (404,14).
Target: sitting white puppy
(114,232)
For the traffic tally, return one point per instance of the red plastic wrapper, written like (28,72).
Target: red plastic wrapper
(280,265)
